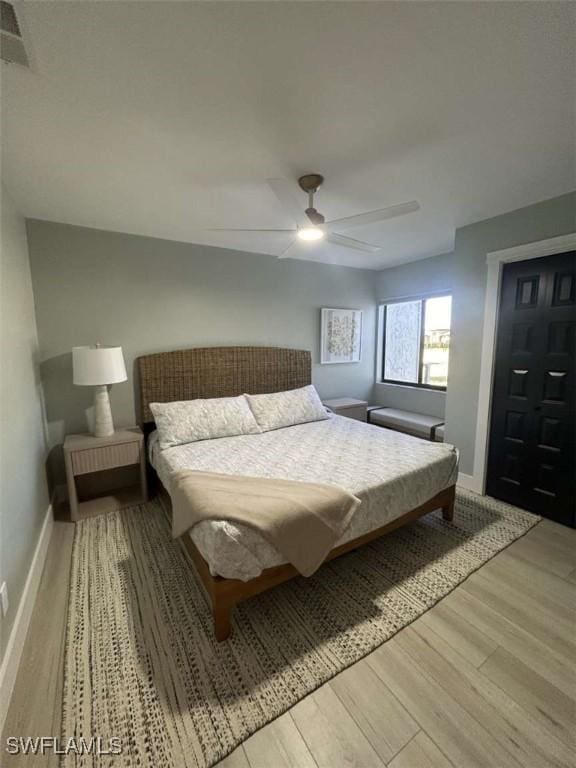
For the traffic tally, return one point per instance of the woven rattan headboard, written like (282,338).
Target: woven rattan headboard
(187,374)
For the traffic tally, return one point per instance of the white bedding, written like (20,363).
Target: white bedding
(390,472)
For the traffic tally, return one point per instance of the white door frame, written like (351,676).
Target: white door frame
(495,261)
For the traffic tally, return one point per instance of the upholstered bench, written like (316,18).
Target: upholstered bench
(439,433)
(416,424)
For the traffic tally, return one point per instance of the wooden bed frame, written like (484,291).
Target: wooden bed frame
(228,372)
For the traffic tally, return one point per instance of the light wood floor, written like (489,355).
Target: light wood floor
(486,679)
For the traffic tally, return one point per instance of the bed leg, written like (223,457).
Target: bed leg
(221,611)
(448,509)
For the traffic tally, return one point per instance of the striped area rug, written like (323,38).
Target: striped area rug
(142,665)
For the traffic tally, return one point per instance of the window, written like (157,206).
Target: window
(416,339)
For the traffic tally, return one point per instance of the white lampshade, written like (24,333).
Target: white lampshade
(95,366)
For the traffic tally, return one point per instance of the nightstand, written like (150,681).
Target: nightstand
(85,455)
(348,406)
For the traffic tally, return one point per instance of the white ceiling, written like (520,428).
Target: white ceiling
(163,119)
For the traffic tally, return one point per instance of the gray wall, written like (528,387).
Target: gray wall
(23,489)
(150,295)
(419,277)
(464,273)
(537,222)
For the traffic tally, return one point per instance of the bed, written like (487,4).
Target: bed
(397,477)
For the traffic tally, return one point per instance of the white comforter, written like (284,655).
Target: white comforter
(390,472)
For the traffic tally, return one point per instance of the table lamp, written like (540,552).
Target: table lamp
(99,367)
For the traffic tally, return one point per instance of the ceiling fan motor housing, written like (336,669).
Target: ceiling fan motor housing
(314,216)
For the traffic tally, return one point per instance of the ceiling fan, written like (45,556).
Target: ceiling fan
(310,224)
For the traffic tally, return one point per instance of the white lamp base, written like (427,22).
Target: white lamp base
(103,424)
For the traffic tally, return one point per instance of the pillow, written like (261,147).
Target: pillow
(285,409)
(188,421)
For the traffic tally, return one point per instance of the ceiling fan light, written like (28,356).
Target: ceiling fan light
(310,234)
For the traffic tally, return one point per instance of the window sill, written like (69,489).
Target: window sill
(419,387)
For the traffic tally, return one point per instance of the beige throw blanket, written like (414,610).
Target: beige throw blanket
(302,521)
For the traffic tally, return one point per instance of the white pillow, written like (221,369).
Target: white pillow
(285,409)
(188,421)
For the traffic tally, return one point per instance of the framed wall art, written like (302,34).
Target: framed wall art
(341,335)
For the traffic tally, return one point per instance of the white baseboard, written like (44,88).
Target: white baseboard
(11,660)
(468,482)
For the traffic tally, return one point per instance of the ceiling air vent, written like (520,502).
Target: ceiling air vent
(11,44)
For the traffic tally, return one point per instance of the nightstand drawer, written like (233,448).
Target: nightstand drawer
(349,407)
(106,457)
(357,412)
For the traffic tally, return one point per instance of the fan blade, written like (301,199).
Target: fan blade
(286,252)
(350,242)
(282,188)
(372,216)
(225,229)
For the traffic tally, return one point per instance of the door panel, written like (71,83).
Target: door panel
(532,457)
